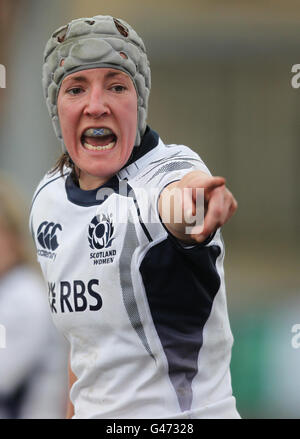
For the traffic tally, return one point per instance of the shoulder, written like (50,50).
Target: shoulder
(154,154)
(178,153)
(50,190)
(49,182)
(49,193)
(174,156)
(168,161)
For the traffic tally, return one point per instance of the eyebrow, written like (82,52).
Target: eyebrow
(81,78)
(112,74)
(76,78)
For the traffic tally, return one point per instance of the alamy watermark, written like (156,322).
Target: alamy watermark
(178,206)
(2,76)
(295,81)
(295,342)
(2,337)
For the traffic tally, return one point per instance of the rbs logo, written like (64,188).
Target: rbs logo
(74,296)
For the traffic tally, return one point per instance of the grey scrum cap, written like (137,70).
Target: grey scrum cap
(87,43)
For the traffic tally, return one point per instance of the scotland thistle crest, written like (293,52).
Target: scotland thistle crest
(100,233)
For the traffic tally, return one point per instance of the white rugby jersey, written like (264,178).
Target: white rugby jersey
(146,317)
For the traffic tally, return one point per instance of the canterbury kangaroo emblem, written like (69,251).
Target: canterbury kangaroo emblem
(47,235)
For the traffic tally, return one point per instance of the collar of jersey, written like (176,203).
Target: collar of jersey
(149,141)
(89,198)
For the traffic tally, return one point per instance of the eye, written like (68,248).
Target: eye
(74,91)
(118,88)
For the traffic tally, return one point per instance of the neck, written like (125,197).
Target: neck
(89,182)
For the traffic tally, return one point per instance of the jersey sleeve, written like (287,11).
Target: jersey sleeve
(44,183)
(177,161)
(40,186)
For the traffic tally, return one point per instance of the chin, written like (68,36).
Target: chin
(95,175)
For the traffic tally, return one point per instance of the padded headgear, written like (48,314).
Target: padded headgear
(88,43)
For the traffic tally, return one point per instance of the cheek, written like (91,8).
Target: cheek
(130,117)
(61,112)
(67,119)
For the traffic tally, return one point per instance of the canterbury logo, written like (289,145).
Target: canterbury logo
(100,232)
(46,235)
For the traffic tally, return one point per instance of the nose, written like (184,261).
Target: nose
(97,104)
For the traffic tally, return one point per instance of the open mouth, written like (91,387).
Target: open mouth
(98,139)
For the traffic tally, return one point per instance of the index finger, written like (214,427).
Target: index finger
(206,182)
(209,185)
(215,182)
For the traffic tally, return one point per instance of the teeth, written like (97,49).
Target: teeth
(95,132)
(99,148)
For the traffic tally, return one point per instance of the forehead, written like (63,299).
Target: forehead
(100,74)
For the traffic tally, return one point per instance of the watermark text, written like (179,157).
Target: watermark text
(296,338)
(295,81)
(177,206)
(2,76)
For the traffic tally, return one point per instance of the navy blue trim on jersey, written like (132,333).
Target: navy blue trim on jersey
(186,246)
(91,198)
(130,193)
(130,243)
(88,198)
(181,285)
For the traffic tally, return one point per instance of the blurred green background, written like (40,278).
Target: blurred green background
(221,84)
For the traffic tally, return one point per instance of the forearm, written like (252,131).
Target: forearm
(171,209)
(194,207)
